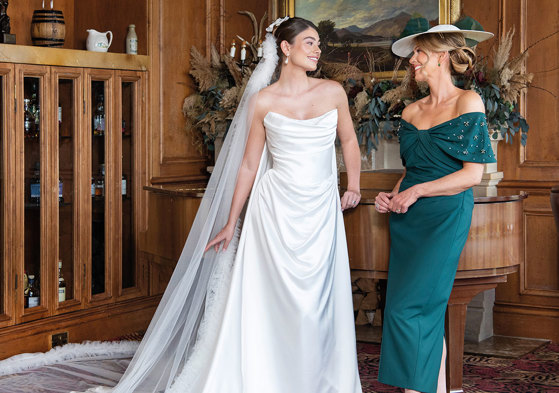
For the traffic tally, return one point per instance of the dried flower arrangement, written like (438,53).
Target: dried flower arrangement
(375,105)
(220,83)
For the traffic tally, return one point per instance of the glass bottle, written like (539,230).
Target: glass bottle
(123,185)
(100,184)
(33,293)
(132,41)
(99,116)
(36,111)
(59,118)
(93,188)
(60,191)
(35,187)
(61,284)
(28,120)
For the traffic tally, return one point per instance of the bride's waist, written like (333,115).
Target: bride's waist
(304,177)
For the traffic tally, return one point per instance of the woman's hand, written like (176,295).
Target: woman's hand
(382,202)
(350,199)
(401,202)
(225,235)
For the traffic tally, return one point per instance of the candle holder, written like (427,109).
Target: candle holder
(5,36)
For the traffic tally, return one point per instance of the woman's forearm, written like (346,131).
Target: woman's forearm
(352,161)
(245,180)
(451,184)
(396,188)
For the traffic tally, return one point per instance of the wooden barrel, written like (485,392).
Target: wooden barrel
(47,28)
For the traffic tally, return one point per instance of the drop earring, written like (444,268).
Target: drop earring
(286,59)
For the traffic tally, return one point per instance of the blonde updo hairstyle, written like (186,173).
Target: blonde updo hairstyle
(461,56)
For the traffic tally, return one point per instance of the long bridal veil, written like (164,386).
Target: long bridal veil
(192,293)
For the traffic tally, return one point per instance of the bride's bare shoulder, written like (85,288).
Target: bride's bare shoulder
(263,101)
(327,85)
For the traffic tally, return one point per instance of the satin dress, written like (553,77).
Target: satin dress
(426,243)
(288,322)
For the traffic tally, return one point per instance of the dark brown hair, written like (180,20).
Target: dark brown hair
(288,30)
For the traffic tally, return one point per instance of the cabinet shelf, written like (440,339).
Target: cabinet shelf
(72,58)
(38,205)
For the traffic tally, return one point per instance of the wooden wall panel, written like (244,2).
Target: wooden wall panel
(489,19)
(174,157)
(541,278)
(104,15)
(528,304)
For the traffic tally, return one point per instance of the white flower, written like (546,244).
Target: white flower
(277,22)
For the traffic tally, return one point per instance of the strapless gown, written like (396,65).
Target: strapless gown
(288,324)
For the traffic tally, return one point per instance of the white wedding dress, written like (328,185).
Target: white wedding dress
(288,324)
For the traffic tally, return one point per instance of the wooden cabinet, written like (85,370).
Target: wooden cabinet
(72,168)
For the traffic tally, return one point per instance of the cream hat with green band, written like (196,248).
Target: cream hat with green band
(404,46)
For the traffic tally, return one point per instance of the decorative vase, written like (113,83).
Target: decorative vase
(491,177)
(47,28)
(555,205)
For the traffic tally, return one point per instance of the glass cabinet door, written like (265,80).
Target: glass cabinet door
(33,130)
(129,88)
(68,104)
(100,128)
(6,100)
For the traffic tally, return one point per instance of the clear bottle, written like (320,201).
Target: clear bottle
(100,183)
(60,191)
(123,185)
(59,119)
(99,116)
(61,284)
(132,41)
(28,121)
(35,187)
(33,298)
(93,188)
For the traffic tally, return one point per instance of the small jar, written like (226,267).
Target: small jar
(132,41)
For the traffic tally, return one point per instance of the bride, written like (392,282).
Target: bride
(266,305)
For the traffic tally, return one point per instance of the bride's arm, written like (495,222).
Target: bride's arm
(350,150)
(245,179)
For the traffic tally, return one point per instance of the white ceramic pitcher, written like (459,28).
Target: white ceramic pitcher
(97,41)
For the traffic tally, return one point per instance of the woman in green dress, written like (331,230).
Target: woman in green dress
(444,143)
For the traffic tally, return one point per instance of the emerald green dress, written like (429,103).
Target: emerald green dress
(426,243)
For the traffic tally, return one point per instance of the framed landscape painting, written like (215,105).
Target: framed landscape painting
(361,32)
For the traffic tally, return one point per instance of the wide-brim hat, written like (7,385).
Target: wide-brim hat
(404,46)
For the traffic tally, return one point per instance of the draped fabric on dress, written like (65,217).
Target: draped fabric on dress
(426,243)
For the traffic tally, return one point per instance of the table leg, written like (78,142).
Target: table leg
(462,293)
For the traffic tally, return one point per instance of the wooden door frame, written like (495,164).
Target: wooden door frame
(8,158)
(45,140)
(139,180)
(81,193)
(108,76)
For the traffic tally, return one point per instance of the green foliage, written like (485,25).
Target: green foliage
(502,115)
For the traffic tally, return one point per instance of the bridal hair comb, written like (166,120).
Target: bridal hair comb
(277,22)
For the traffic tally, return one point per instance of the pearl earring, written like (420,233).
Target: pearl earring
(286,59)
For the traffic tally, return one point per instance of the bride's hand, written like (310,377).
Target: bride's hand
(225,235)
(350,199)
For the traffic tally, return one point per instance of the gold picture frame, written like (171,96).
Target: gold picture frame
(449,12)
